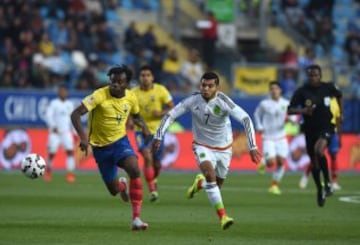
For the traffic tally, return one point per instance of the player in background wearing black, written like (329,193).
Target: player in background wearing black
(312,100)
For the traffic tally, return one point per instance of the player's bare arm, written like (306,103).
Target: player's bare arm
(139,121)
(76,121)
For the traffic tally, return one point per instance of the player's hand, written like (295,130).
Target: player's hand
(308,110)
(84,146)
(255,156)
(156,145)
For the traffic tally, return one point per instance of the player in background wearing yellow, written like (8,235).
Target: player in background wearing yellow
(109,108)
(155,101)
(335,143)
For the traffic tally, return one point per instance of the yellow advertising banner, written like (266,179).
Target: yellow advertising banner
(254,80)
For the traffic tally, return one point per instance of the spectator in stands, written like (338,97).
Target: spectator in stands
(132,40)
(305,28)
(209,37)
(316,9)
(171,71)
(289,57)
(149,39)
(352,47)
(46,46)
(85,37)
(192,70)
(304,61)
(307,59)
(292,10)
(156,64)
(324,33)
(288,83)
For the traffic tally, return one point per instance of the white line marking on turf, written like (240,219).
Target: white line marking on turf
(350,199)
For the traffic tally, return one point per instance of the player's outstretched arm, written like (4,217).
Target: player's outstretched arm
(139,121)
(76,121)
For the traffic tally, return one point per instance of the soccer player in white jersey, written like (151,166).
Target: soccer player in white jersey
(212,145)
(60,132)
(270,117)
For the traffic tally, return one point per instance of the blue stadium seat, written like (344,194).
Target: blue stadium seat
(303,3)
(344,2)
(112,16)
(337,52)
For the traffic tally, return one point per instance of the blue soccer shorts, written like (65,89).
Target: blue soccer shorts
(110,157)
(334,144)
(142,144)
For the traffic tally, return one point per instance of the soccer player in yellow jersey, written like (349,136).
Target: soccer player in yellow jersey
(155,101)
(334,144)
(109,108)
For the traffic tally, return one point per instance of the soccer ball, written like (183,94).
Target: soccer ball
(33,166)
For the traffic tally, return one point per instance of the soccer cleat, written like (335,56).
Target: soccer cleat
(194,188)
(320,198)
(70,177)
(138,224)
(124,193)
(328,190)
(226,222)
(154,196)
(335,186)
(303,182)
(274,189)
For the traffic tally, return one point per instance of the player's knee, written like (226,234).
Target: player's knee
(133,172)
(112,188)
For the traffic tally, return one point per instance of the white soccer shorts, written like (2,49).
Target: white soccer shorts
(274,148)
(66,139)
(220,159)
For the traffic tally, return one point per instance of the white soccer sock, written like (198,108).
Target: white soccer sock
(70,163)
(203,184)
(279,173)
(213,193)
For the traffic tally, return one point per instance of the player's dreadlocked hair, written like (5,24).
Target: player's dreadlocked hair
(117,69)
(211,75)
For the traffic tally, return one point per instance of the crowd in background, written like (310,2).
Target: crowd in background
(45,43)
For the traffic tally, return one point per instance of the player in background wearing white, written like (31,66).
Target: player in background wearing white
(60,132)
(212,132)
(270,116)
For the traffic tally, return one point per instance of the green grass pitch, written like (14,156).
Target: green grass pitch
(35,212)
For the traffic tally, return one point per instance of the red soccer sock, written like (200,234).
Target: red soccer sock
(334,169)
(122,186)
(221,213)
(150,176)
(136,194)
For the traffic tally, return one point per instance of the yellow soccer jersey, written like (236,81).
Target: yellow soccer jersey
(335,111)
(108,115)
(152,100)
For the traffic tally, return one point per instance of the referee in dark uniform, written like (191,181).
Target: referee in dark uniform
(312,100)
